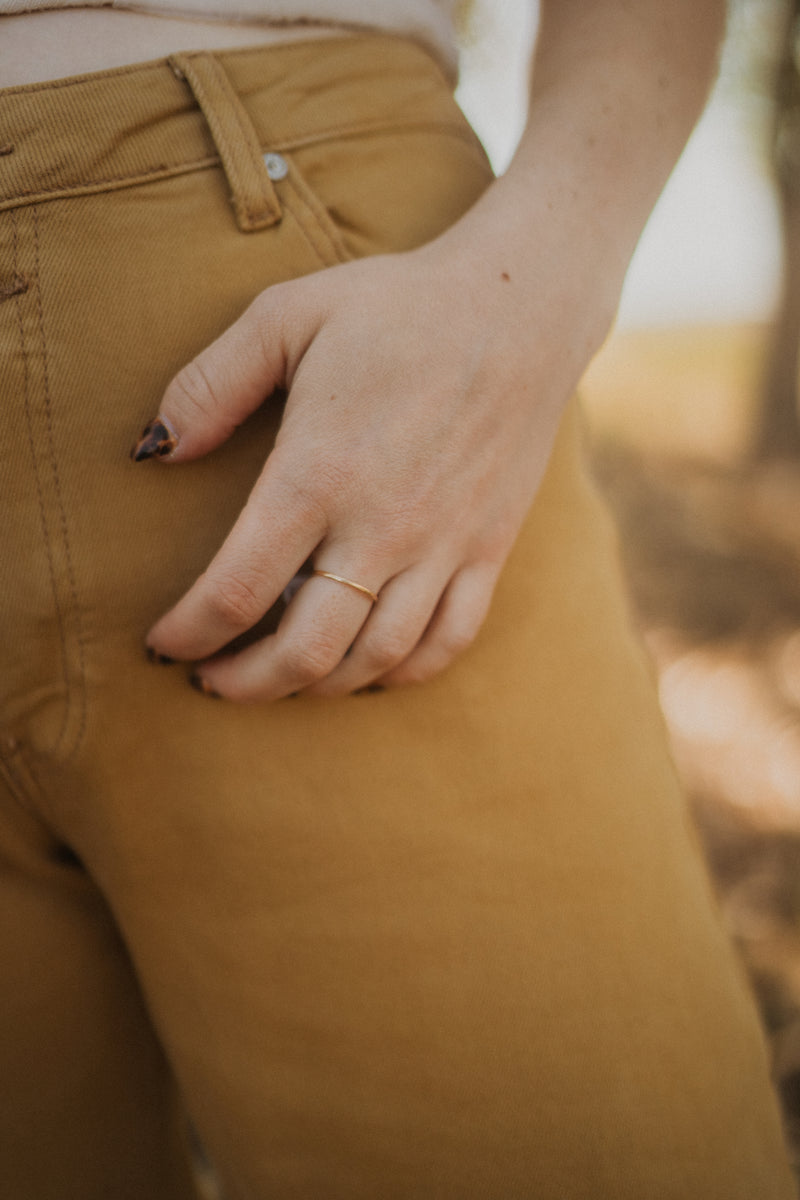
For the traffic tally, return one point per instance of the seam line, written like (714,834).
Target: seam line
(40,496)
(249,139)
(308,209)
(95,185)
(166,170)
(306,234)
(356,128)
(59,498)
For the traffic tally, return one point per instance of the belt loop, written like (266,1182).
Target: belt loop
(255,201)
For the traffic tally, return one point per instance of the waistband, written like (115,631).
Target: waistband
(117,128)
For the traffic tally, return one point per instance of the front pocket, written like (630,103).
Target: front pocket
(300,204)
(392,189)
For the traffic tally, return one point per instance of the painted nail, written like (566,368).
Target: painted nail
(202,685)
(155,656)
(157,441)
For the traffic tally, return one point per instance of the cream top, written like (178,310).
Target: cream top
(427,21)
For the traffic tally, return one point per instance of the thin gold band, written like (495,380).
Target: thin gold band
(357,587)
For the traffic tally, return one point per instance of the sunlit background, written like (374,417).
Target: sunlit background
(708,508)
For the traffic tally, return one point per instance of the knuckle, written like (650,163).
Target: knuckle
(193,391)
(309,500)
(268,304)
(327,486)
(235,602)
(312,659)
(387,649)
(296,485)
(456,639)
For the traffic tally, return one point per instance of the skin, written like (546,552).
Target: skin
(52,44)
(410,469)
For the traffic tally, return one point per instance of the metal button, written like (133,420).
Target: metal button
(277,166)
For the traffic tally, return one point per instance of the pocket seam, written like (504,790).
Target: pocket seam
(312,207)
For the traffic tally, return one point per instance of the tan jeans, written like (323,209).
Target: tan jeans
(444,943)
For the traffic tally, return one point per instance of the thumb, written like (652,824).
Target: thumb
(228,380)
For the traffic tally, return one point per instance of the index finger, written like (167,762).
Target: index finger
(277,530)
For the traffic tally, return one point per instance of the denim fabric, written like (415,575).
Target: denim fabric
(451,942)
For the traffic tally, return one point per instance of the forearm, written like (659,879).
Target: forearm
(617,88)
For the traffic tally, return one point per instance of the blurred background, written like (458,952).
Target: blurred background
(694,434)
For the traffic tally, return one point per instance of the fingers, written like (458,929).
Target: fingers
(276,532)
(452,629)
(228,380)
(319,626)
(392,630)
(331,641)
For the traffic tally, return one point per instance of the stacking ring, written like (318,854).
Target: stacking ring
(357,587)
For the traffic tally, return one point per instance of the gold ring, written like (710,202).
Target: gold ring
(357,587)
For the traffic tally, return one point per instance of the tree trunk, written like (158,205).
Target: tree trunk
(778,426)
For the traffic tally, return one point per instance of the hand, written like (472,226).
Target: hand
(425,388)
(418,424)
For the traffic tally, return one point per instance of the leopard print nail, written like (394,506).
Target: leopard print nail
(157,441)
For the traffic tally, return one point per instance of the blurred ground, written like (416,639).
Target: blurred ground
(711,545)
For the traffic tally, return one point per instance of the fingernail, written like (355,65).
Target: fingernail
(156,656)
(157,441)
(202,685)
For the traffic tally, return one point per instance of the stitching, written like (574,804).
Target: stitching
(293,143)
(309,210)
(59,499)
(354,30)
(40,497)
(248,135)
(131,180)
(216,125)
(357,128)
(306,234)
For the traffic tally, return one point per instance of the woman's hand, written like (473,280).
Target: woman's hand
(425,388)
(418,425)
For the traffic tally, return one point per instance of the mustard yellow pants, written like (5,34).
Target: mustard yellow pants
(452,942)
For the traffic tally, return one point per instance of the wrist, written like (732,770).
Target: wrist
(534,267)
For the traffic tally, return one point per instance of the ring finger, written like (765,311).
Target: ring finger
(389,634)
